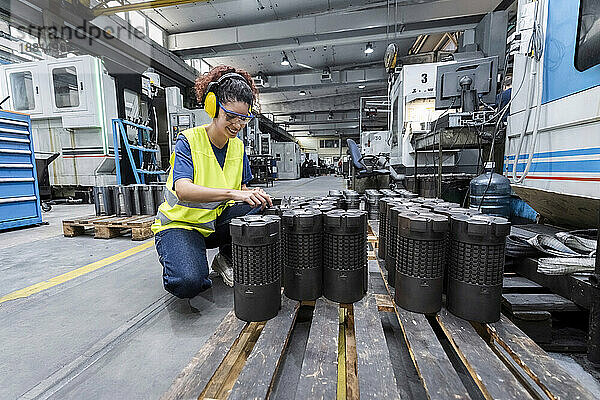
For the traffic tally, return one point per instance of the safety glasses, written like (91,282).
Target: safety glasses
(232,115)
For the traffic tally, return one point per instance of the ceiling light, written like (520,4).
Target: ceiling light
(302,93)
(284,61)
(361,86)
(369,48)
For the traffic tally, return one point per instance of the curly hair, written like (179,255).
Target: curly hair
(230,89)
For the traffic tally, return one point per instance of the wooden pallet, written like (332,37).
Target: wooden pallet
(346,354)
(345,357)
(110,226)
(500,361)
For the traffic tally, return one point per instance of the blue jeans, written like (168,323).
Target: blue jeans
(182,253)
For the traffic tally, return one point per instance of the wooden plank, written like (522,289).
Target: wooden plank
(384,302)
(256,378)
(537,302)
(351,356)
(141,233)
(551,378)
(194,377)
(114,221)
(374,227)
(438,376)
(106,232)
(227,373)
(318,377)
(142,221)
(72,230)
(342,384)
(375,372)
(492,377)
(520,284)
(75,219)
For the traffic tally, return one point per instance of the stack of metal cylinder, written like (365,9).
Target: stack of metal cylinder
(476,266)
(429,244)
(391,251)
(256,267)
(128,200)
(302,253)
(421,257)
(372,202)
(345,274)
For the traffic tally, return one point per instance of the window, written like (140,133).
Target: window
(587,51)
(329,144)
(138,21)
(21,88)
(155,33)
(66,90)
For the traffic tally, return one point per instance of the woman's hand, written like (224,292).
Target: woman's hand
(255,197)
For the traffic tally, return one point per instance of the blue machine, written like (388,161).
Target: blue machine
(19,194)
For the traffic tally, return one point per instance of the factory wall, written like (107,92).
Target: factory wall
(312,144)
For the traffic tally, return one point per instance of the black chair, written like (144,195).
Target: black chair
(367,165)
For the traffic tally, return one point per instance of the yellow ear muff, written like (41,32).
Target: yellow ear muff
(210,104)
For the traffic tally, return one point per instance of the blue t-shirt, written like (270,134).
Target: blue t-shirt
(184,166)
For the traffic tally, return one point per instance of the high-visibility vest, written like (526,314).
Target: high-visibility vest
(174,213)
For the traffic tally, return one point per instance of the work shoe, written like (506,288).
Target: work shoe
(222,265)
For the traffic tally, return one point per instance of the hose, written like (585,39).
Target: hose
(564,266)
(536,46)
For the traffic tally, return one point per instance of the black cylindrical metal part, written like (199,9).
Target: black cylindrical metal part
(345,255)
(256,267)
(147,198)
(97,200)
(391,250)
(384,202)
(476,266)
(108,200)
(117,192)
(158,195)
(421,257)
(127,193)
(137,199)
(389,193)
(353,204)
(302,253)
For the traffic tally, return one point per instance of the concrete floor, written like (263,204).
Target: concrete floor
(113,333)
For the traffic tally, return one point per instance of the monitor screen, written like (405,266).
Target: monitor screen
(482,72)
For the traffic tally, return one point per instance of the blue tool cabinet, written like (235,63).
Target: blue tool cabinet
(19,194)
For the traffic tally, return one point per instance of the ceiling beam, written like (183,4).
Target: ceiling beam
(305,43)
(318,103)
(145,5)
(329,29)
(295,82)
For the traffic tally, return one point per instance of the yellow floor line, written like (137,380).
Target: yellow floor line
(67,276)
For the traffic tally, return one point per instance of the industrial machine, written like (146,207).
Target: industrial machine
(373,143)
(72,102)
(181,118)
(414,112)
(552,152)
(288,158)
